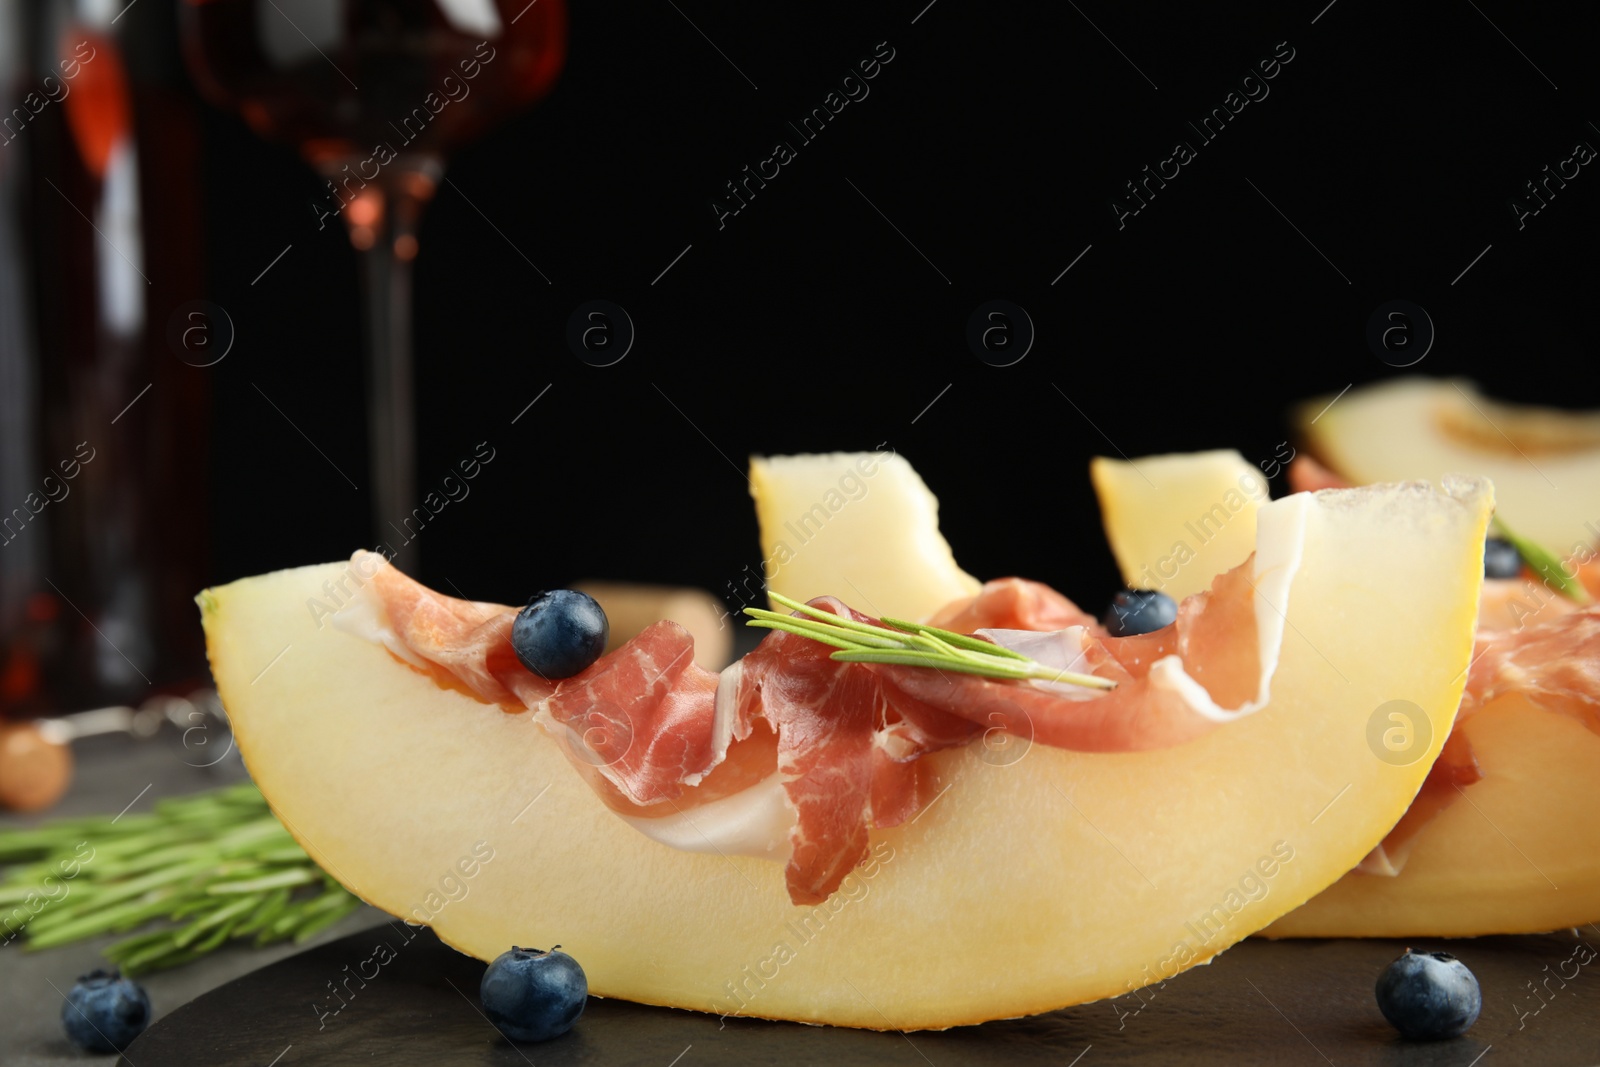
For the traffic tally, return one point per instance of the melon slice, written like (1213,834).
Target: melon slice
(859,526)
(1057,878)
(1511,855)
(1544,462)
(1175,522)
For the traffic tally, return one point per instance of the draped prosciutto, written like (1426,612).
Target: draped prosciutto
(661,739)
(1531,641)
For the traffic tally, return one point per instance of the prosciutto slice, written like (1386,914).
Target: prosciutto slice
(662,740)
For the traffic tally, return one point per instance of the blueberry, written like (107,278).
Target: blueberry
(1501,559)
(1140,611)
(105,1012)
(1429,995)
(532,995)
(559,633)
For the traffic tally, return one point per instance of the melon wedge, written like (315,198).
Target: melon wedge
(861,526)
(1175,522)
(1058,878)
(1544,462)
(1516,854)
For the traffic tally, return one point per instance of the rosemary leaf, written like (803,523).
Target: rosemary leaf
(318,923)
(129,945)
(914,658)
(81,926)
(156,956)
(285,854)
(192,907)
(819,637)
(966,641)
(833,620)
(292,876)
(269,911)
(236,909)
(807,627)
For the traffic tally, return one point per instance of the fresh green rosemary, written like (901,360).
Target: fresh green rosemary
(211,867)
(911,644)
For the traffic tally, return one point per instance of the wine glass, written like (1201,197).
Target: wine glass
(374,93)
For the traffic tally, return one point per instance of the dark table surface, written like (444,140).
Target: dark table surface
(1260,1002)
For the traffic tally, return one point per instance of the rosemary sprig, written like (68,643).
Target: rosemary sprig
(211,867)
(911,644)
(1546,564)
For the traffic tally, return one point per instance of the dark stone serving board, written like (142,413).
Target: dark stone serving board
(1260,1002)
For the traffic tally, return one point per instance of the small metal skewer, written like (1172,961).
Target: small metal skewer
(196,711)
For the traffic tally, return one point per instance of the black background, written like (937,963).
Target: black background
(994,141)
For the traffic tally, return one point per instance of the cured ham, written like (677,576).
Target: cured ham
(1013,604)
(1554,664)
(847,750)
(1213,643)
(1306,475)
(664,742)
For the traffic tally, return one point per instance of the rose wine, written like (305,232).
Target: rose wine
(375,93)
(354,80)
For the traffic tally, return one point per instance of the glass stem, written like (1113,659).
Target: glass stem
(382,220)
(391,419)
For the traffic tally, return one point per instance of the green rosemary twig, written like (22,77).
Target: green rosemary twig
(211,867)
(911,644)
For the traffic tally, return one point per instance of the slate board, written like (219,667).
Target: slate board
(1260,1002)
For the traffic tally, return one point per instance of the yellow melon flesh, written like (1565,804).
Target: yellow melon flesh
(1516,853)
(1545,463)
(1175,522)
(859,526)
(1028,884)
(1512,854)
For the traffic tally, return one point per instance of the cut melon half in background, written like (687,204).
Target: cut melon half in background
(1057,878)
(1544,462)
(1516,852)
